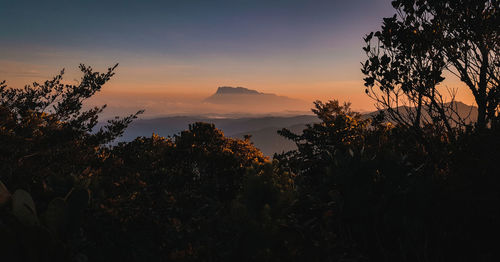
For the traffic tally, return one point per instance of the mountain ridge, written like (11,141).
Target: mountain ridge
(236,90)
(244,96)
(263,128)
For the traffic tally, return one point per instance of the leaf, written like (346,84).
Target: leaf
(23,208)
(369,37)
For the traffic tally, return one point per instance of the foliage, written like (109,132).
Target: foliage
(380,193)
(45,125)
(29,237)
(49,145)
(172,193)
(407,58)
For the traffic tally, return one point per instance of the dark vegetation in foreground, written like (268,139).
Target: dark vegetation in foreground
(419,189)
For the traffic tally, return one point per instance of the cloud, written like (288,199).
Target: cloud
(10,69)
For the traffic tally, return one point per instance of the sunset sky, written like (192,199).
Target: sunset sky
(309,49)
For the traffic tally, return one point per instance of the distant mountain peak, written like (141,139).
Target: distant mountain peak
(241,99)
(236,90)
(241,95)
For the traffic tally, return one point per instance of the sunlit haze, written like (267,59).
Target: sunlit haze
(173,54)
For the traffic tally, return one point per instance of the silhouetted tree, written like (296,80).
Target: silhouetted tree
(421,41)
(48,155)
(367,190)
(172,197)
(45,131)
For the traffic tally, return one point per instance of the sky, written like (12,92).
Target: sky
(185,49)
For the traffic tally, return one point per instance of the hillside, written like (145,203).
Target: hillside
(269,141)
(459,110)
(263,129)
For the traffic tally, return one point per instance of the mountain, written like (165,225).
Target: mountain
(263,128)
(457,110)
(240,96)
(269,141)
(225,90)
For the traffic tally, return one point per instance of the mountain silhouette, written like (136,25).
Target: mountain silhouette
(236,90)
(227,95)
(263,129)
(456,111)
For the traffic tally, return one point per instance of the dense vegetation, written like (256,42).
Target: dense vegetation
(418,185)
